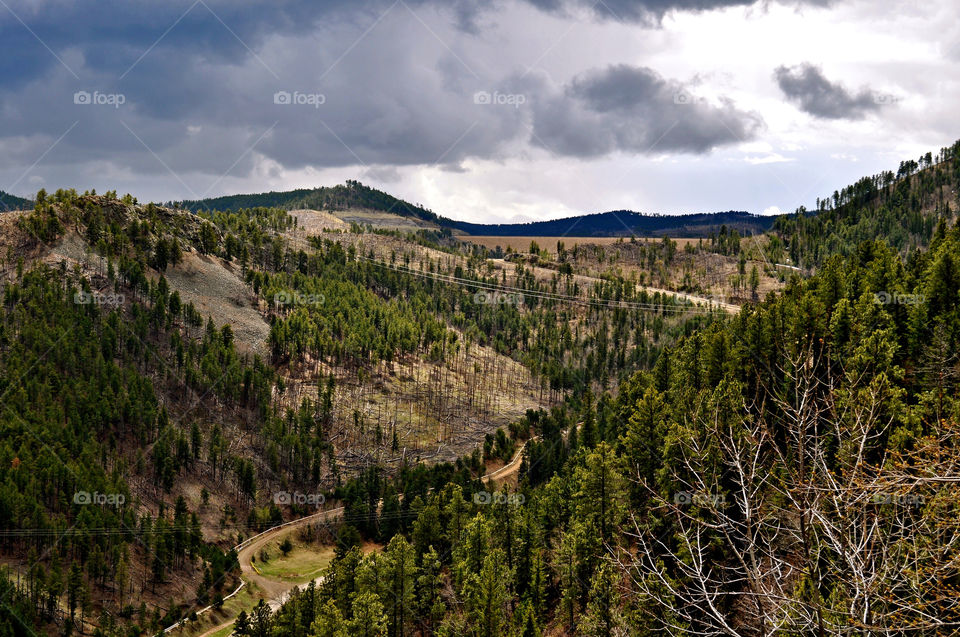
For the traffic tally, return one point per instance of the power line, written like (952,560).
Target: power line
(543,295)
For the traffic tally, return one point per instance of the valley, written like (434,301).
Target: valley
(526,318)
(194,384)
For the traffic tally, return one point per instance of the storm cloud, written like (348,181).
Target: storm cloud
(208,88)
(635,110)
(186,98)
(806,85)
(651,11)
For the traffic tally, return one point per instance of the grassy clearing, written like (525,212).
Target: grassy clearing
(246,599)
(301,565)
(226,630)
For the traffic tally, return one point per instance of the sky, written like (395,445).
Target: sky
(486,111)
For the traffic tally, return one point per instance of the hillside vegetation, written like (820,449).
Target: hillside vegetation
(790,469)
(903,208)
(12,202)
(143,439)
(354,195)
(623,223)
(351,194)
(792,472)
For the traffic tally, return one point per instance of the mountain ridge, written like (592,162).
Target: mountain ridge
(10,202)
(613,223)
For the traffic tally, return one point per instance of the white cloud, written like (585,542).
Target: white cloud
(772,158)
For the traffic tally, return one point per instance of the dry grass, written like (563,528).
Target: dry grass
(522,244)
(439,411)
(379,219)
(314,222)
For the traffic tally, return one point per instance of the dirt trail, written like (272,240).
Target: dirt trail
(507,470)
(512,467)
(274,589)
(277,591)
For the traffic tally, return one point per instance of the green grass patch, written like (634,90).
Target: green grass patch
(246,599)
(301,565)
(224,632)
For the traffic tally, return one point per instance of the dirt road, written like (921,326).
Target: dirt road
(507,470)
(277,591)
(247,552)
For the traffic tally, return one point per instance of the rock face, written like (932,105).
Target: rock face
(216,289)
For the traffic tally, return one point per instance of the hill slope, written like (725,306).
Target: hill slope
(190,367)
(351,195)
(798,461)
(620,223)
(355,196)
(796,468)
(12,202)
(903,208)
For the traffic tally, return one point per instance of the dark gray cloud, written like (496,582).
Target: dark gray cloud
(635,110)
(652,11)
(392,93)
(806,85)
(398,81)
(111,35)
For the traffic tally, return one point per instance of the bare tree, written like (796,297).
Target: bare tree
(795,518)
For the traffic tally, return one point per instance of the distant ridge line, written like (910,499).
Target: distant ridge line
(614,223)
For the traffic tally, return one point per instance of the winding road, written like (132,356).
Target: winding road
(276,591)
(507,470)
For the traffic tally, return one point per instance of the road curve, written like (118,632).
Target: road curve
(247,550)
(276,591)
(508,469)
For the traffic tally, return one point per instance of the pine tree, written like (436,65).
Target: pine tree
(485,596)
(260,620)
(241,627)
(329,622)
(369,619)
(401,575)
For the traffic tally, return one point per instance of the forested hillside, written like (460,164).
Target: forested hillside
(351,194)
(624,223)
(787,470)
(354,195)
(142,439)
(12,202)
(792,472)
(903,208)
